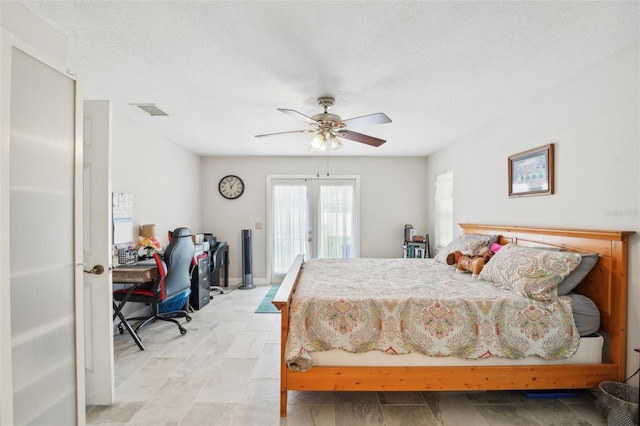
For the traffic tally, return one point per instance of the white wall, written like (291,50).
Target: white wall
(163,177)
(25,24)
(593,120)
(392,194)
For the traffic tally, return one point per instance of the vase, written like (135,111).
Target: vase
(149,251)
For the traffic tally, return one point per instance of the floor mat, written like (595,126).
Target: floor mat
(266,307)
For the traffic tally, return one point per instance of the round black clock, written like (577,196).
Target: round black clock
(231,187)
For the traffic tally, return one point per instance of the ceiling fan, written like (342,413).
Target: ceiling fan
(329,127)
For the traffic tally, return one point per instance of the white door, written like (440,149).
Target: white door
(42,335)
(313,216)
(99,362)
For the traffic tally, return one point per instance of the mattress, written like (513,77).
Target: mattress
(418,308)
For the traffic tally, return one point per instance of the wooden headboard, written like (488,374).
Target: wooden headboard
(606,284)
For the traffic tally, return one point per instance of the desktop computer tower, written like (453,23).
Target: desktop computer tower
(200,282)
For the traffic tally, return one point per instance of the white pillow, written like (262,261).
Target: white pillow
(469,245)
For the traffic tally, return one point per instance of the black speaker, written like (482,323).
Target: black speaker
(247,265)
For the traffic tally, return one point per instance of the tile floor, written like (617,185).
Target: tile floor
(225,371)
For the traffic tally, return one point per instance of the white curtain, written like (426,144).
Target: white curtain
(336,220)
(290,224)
(444,209)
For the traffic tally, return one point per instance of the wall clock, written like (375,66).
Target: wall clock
(231,187)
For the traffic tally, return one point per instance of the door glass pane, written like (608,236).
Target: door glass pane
(290,224)
(336,220)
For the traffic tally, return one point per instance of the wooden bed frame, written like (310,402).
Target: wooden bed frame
(606,285)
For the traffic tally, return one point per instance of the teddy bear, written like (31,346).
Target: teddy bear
(471,264)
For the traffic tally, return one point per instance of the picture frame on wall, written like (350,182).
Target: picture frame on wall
(531,172)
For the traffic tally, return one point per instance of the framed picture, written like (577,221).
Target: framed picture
(531,172)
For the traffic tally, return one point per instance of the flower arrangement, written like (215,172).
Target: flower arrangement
(148,243)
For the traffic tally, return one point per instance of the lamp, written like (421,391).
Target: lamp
(148,231)
(323,139)
(318,143)
(335,142)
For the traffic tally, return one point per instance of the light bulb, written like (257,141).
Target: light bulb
(318,143)
(335,143)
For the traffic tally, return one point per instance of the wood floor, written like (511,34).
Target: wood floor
(225,371)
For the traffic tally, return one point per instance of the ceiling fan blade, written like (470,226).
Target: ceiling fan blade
(359,137)
(367,120)
(284,133)
(299,115)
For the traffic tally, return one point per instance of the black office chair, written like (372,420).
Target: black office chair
(218,256)
(172,284)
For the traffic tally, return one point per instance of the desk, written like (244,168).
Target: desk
(134,275)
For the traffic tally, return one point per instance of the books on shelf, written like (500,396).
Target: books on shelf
(414,251)
(416,246)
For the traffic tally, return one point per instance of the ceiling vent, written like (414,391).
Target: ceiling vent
(151,109)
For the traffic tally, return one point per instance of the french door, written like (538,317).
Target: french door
(313,216)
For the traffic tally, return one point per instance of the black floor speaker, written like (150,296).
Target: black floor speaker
(247,263)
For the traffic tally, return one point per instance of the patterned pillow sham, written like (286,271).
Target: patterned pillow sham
(576,276)
(531,272)
(469,245)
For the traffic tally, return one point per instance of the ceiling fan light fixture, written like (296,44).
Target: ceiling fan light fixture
(325,140)
(329,127)
(335,142)
(318,143)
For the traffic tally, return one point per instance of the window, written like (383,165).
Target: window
(444,209)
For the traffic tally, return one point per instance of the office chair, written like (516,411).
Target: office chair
(171,285)
(218,263)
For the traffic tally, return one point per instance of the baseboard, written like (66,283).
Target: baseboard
(256,281)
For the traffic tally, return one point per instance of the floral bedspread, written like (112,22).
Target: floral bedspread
(415,305)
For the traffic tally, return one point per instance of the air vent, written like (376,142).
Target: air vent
(151,109)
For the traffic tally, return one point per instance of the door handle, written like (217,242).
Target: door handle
(98,269)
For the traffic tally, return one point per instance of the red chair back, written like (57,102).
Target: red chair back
(162,272)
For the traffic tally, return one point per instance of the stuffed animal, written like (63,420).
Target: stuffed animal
(469,264)
(495,247)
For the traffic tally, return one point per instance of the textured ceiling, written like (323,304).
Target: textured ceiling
(439,70)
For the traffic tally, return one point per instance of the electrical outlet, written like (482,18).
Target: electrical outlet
(259,226)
